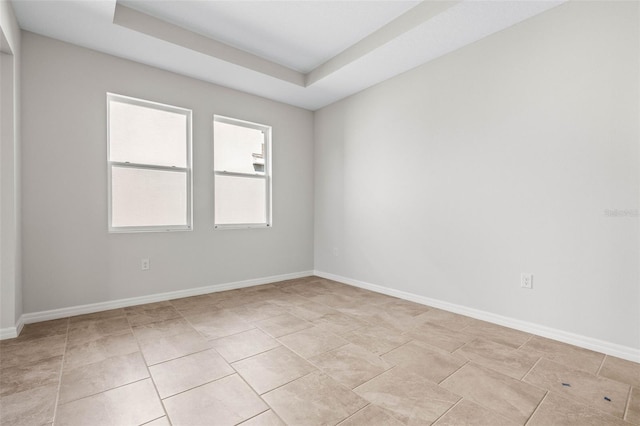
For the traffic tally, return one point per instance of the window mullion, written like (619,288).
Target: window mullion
(148,166)
(238,174)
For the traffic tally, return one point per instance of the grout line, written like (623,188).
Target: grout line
(531,369)
(148,369)
(604,358)
(628,404)
(454,372)
(256,354)
(284,384)
(536,409)
(526,341)
(199,386)
(106,390)
(448,410)
(64,353)
(150,421)
(350,416)
(374,377)
(253,417)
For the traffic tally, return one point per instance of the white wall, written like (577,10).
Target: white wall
(10,258)
(69,257)
(450,180)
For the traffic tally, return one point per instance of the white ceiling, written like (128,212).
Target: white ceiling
(305,53)
(297,34)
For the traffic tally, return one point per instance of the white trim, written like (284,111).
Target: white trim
(12,332)
(188,170)
(266,175)
(7,333)
(586,342)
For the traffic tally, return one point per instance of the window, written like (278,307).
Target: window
(242,173)
(149,165)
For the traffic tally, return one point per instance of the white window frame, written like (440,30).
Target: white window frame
(266,131)
(188,170)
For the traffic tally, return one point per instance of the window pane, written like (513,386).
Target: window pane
(238,149)
(147,135)
(240,200)
(143,197)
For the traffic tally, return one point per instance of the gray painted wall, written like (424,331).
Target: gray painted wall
(69,257)
(500,158)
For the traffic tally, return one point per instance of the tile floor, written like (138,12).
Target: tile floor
(304,352)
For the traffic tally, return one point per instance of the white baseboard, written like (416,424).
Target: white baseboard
(602,346)
(10,332)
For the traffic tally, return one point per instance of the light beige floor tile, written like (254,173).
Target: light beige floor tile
(99,349)
(312,341)
(186,303)
(351,365)
(162,421)
(86,331)
(511,398)
(244,344)
(229,401)
(193,370)
(468,413)
(621,370)
(133,404)
(30,351)
(376,315)
(154,313)
(314,399)
(556,410)
(582,386)
(291,300)
(216,324)
(448,320)
(404,307)
(633,409)
(432,363)
(283,325)
(409,397)
(259,311)
(501,358)
(156,330)
(371,415)
(101,376)
(271,369)
(305,290)
(498,334)
(167,348)
(31,407)
(335,300)
(339,323)
(563,353)
(310,310)
(44,329)
(22,377)
(376,339)
(441,337)
(188,311)
(268,418)
(96,316)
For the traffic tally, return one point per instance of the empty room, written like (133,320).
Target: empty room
(319,212)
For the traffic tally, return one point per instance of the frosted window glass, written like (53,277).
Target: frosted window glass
(144,135)
(240,200)
(238,149)
(142,197)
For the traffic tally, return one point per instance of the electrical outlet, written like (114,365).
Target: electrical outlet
(145,264)
(526,280)
(336,252)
